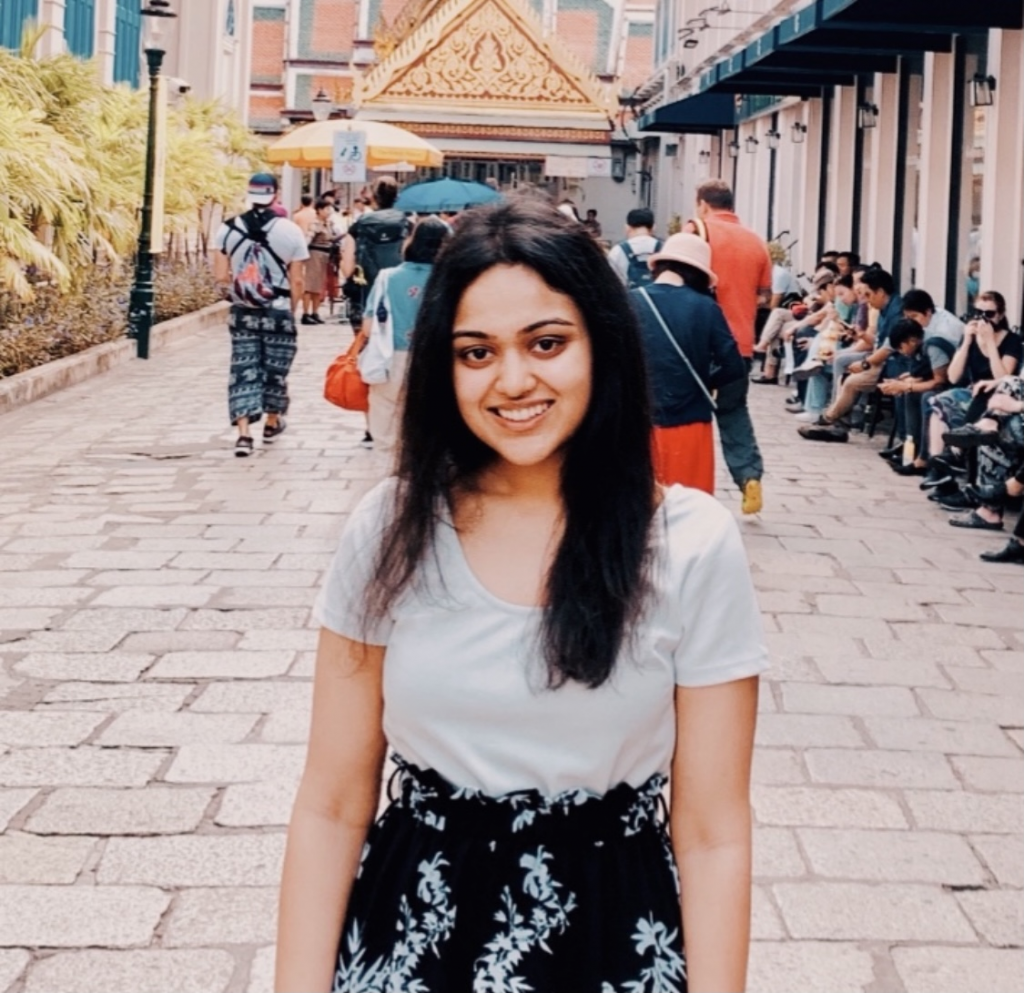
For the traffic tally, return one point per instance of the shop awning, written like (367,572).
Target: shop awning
(702,113)
(832,42)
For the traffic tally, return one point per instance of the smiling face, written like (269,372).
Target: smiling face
(522,365)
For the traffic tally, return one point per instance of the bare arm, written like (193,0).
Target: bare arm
(711,829)
(221,269)
(347,265)
(297,283)
(958,364)
(335,806)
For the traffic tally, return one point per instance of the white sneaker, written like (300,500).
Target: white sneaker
(807,417)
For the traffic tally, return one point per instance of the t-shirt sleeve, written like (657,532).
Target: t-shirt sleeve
(220,242)
(339,607)
(780,280)
(617,260)
(937,358)
(722,634)
(766,272)
(298,246)
(1013,346)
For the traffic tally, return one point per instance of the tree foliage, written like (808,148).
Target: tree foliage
(72,158)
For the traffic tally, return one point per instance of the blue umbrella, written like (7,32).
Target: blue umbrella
(435,195)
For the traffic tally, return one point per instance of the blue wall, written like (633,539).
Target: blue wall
(128,43)
(80,27)
(13,15)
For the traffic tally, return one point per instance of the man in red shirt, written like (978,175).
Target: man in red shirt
(740,258)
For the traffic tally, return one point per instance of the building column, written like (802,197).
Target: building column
(933,228)
(51,15)
(839,205)
(805,252)
(879,203)
(106,37)
(1002,195)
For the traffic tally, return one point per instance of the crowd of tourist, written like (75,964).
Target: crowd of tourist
(854,345)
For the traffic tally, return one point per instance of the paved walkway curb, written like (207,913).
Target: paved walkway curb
(25,387)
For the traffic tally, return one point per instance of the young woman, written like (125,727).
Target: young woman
(320,237)
(543,637)
(391,312)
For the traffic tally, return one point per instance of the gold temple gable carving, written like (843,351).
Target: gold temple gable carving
(484,55)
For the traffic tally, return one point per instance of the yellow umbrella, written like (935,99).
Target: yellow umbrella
(311,146)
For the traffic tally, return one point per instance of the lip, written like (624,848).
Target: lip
(523,425)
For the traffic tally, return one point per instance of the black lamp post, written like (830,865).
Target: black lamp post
(140,306)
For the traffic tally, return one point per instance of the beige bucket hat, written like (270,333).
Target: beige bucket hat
(688,249)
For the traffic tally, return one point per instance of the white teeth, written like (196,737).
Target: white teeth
(523,413)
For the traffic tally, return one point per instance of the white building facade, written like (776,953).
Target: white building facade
(208,43)
(893,129)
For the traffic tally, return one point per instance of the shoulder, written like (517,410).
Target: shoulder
(373,512)
(1012,345)
(696,526)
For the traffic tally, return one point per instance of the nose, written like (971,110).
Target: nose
(515,374)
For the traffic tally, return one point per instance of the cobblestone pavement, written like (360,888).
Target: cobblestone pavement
(155,601)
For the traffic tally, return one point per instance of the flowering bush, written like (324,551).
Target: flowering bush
(57,323)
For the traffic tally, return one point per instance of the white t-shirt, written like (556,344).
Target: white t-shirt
(784,282)
(465,690)
(284,237)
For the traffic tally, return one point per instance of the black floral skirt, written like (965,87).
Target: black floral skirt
(459,892)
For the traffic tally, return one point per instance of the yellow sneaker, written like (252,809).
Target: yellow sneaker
(752,498)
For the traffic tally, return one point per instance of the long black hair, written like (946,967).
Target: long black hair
(596,587)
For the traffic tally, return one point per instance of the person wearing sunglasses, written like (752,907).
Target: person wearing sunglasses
(989,351)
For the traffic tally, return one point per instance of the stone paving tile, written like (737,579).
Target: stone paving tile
(801,730)
(29,730)
(149,971)
(24,858)
(891,770)
(104,667)
(951,811)
(109,698)
(222,665)
(79,916)
(862,912)
(824,967)
(261,976)
(959,706)
(144,729)
(256,804)
(860,701)
(246,916)
(124,619)
(12,965)
(241,696)
(153,810)
(946,737)
(194,860)
(990,775)
(997,915)
(936,969)
(235,763)
(1004,856)
(11,802)
(817,806)
(892,856)
(81,767)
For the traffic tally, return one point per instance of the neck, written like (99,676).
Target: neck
(532,483)
(638,232)
(670,278)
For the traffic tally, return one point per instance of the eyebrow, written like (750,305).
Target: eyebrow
(529,329)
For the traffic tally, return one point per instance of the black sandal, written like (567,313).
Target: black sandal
(243,447)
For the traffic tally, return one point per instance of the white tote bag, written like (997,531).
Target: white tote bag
(375,359)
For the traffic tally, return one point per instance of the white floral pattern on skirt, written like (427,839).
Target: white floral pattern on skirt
(458,892)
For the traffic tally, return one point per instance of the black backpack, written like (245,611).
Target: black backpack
(638,273)
(379,238)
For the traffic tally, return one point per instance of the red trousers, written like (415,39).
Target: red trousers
(685,454)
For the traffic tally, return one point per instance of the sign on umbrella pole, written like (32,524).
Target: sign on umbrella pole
(349,160)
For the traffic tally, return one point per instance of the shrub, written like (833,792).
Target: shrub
(57,323)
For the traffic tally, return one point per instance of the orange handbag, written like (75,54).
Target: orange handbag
(343,386)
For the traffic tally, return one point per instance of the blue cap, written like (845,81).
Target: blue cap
(262,189)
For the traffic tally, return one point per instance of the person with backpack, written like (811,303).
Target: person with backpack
(373,243)
(259,260)
(629,258)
